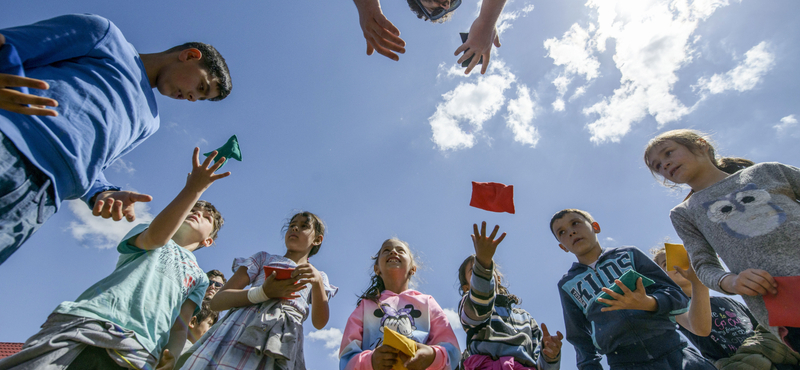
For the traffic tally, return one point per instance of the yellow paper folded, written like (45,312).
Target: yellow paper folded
(676,256)
(405,345)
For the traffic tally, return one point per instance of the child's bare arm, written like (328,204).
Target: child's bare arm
(177,335)
(381,35)
(166,224)
(320,312)
(750,282)
(233,294)
(698,319)
(629,300)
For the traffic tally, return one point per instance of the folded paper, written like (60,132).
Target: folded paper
(676,256)
(784,308)
(492,196)
(230,150)
(629,278)
(401,343)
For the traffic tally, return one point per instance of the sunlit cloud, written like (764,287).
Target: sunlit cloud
(101,233)
(787,126)
(652,42)
(471,104)
(507,18)
(332,338)
(521,112)
(453,318)
(745,76)
(120,165)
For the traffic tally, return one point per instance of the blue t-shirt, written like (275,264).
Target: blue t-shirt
(106,105)
(145,292)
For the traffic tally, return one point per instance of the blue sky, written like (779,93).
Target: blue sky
(381,148)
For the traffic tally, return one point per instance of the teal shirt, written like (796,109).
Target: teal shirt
(145,292)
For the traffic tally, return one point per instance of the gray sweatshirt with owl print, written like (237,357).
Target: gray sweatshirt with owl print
(751,219)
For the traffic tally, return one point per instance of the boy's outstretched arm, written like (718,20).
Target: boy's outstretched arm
(379,32)
(698,319)
(166,224)
(482,34)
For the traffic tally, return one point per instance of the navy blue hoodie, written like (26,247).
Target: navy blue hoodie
(625,335)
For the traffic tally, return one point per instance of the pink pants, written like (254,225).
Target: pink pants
(483,362)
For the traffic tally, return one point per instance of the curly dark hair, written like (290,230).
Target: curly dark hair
(216,273)
(215,64)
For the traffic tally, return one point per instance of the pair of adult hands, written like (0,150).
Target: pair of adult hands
(382,36)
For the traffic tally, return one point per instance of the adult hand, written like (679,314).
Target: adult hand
(551,344)
(115,204)
(422,359)
(380,34)
(750,282)
(629,300)
(17,102)
(485,246)
(384,358)
(167,361)
(285,289)
(202,176)
(479,44)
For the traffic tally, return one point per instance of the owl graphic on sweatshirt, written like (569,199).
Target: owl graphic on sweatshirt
(746,213)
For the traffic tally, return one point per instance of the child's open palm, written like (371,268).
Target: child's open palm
(485,246)
(202,176)
(629,300)
(551,344)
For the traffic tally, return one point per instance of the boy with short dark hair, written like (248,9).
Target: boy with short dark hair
(634,331)
(139,312)
(200,323)
(101,91)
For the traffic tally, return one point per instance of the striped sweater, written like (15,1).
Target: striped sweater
(496,329)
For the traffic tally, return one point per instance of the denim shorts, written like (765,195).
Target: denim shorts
(26,198)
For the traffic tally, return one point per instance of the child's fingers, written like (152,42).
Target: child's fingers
(475,230)
(196,157)
(494,232)
(486,58)
(216,177)
(483,229)
(460,49)
(545,333)
(500,239)
(218,164)
(208,160)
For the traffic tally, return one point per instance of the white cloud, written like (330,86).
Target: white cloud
(787,123)
(120,165)
(470,103)
(454,319)
(758,61)
(521,112)
(506,19)
(97,232)
(574,52)
(331,337)
(653,41)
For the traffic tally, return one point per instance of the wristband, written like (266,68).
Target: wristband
(256,295)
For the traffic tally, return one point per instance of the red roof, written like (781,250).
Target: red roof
(8,349)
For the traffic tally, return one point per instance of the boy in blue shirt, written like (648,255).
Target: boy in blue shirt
(101,93)
(635,330)
(139,312)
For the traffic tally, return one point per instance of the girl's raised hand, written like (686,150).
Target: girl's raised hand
(384,358)
(485,246)
(422,359)
(285,289)
(688,274)
(307,274)
(551,344)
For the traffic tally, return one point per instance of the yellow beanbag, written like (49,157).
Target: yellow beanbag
(405,345)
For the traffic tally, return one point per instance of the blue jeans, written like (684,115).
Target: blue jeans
(26,198)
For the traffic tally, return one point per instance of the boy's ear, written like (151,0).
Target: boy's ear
(596,227)
(190,54)
(193,322)
(207,242)
(563,248)
(318,240)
